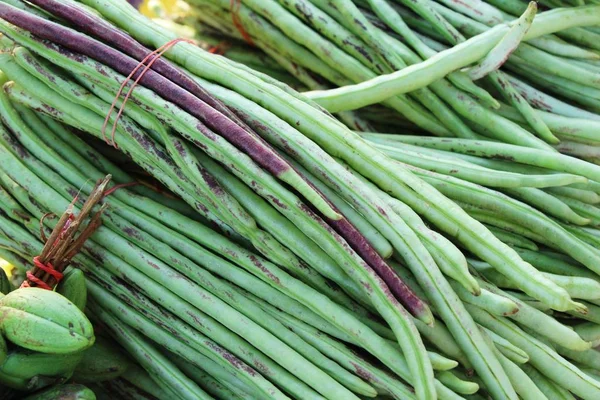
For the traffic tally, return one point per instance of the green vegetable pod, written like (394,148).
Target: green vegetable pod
(29,370)
(101,362)
(72,286)
(64,392)
(44,321)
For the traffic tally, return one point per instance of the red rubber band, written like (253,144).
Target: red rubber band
(155,55)
(234,8)
(47,268)
(39,283)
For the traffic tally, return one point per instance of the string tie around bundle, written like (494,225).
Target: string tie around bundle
(151,58)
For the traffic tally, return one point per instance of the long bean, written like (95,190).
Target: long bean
(463,169)
(145,353)
(590,357)
(420,75)
(464,105)
(592,314)
(494,304)
(513,239)
(556,263)
(509,350)
(541,356)
(496,57)
(590,332)
(550,205)
(546,102)
(500,151)
(585,196)
(550,389)
(542,323)
(348,15)
(394,20)
(524,386)
(204,380)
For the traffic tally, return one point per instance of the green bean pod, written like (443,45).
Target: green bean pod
(549,388)
(550,205)
(506,348)
(492,303)
(586,196)
(541,356)
(542,323)
(513,239)
(589,358)
(501,51)
(455,383)
(147,355)
(467,171)
(523,384)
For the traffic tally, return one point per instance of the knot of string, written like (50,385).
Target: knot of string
(150,59)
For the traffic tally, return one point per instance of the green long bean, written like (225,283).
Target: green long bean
(524,386)
(411,78)
(146,354)
(542,357)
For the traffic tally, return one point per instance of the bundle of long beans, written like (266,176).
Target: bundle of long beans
(351,42)
(310,238)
